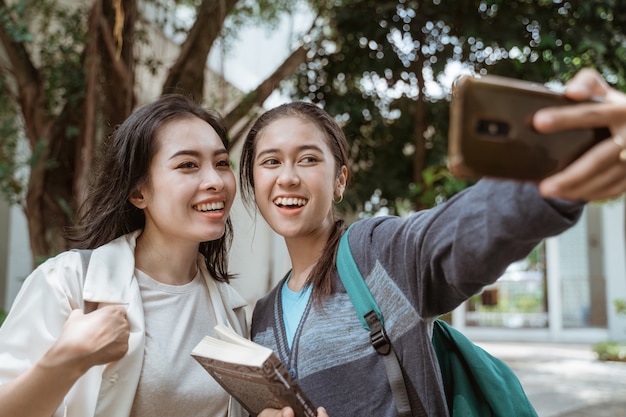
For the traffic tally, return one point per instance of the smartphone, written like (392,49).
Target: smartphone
(491,132)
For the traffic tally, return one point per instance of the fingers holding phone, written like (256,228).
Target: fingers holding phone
(570,142)
(492,133)
(597,105)
(600,173)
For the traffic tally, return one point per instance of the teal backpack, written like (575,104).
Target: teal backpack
(476,383)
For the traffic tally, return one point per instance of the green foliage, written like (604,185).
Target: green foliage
(10,162)
(3,315)
(523,303)
(17,30)
(266,13)
(436,186)
(43,80)
(383,70)
(610,350)
(58,50)
(56,41)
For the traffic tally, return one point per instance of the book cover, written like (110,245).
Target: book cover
(251,373)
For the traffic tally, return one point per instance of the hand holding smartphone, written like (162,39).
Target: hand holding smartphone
(491,132)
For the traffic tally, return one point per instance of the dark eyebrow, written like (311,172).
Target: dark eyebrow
(300,149)
(189,152)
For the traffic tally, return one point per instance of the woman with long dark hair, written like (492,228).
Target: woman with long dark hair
(294,168)
(108,330)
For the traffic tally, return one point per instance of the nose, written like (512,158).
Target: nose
(288,176)
(211,179)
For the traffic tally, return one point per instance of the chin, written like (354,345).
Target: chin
(287,232)
(207,237)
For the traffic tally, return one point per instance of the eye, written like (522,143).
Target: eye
(270,161)
(224,163)
(310,159)
(187,165)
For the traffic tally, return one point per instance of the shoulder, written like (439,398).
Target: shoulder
(230,295)
(267,301)
(265,305)
(66,264)
(58,279)
(377,233)
(364,230)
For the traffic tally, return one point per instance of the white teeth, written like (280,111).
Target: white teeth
(209,206)
(284,201)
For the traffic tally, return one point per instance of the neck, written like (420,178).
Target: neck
(298,277)
(166,262)
(304,253)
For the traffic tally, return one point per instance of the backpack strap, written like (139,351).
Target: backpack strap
(372,319)
(475,382)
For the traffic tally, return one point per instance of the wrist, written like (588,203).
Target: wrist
(59,360)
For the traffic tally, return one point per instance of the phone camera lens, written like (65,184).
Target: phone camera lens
(492,128)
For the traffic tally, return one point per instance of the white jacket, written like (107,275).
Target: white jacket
(58,286)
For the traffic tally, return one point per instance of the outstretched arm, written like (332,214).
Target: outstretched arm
(86,340)
(601,172)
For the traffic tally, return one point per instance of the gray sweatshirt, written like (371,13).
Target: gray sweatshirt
(417,268)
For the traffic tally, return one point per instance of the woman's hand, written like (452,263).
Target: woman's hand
(288,412)
(600,173)
(86,340)
(91,339)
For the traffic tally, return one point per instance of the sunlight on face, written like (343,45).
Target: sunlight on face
(294,177)
(191,184)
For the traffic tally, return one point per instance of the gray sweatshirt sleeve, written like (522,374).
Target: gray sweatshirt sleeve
(442,256)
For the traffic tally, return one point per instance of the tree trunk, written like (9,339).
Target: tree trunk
(117,62)
(186,76)
(62,147)
(109,79)
(239,116)
(261,93)
(50,204)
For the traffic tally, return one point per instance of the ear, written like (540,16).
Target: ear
(341,181)
(137,199)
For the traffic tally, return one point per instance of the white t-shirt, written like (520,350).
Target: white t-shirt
(172,383)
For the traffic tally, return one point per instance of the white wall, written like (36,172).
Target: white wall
(615,264)
(5,219)
(18,257)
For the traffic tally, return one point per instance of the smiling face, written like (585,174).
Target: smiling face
(191,185)
(295,178)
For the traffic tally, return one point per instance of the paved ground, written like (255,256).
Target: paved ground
(564,380)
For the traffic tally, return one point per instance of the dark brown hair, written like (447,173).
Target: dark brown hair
(107,212)
(321,277)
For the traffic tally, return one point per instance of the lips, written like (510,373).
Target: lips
(290,202)
(206,207)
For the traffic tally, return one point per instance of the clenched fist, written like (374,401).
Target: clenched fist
(91,339)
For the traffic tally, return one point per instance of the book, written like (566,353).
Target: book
(252,374)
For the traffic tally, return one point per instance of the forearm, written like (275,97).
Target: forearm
(476,237)
(40,390)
